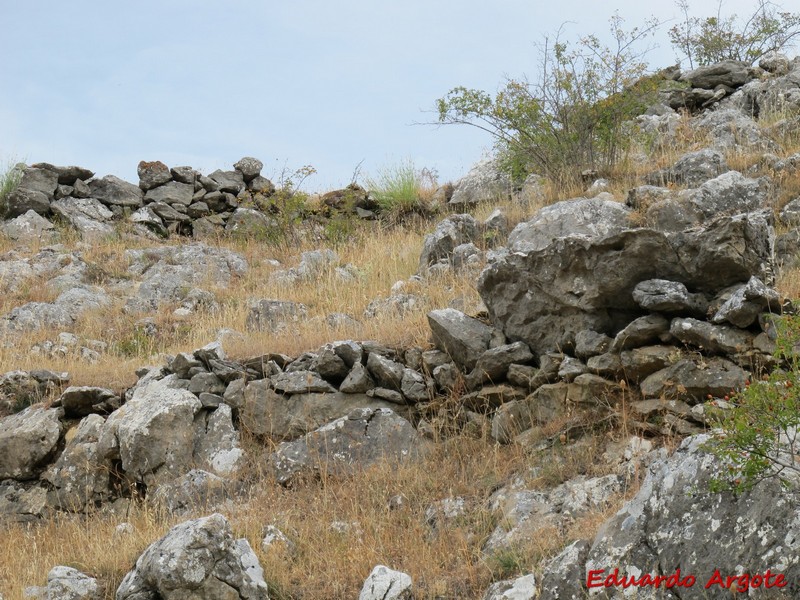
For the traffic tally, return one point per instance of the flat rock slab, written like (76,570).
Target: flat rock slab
(356,441)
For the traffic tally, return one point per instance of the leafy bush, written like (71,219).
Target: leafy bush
(402,189)
(716,38)
(757,435)
(572,118)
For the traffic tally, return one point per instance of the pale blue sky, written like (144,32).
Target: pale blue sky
(327,83)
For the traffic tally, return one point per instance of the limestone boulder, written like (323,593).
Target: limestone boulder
(386,584)
(198,559)
(28,440)
(728,73)
(29,227)
(578,217)
(675,522)
(463,338)
(113,191)
(274,315)
(152,434)
(449,233)
(362,438)
(486,181)
(22,200)
(152,174)
(693,381)
(79,477)
(546,297)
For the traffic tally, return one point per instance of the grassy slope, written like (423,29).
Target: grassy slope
(447,564)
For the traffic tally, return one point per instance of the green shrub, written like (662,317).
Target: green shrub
(757,436)
(716,38)
(10,176)
(401,189)
(572,118)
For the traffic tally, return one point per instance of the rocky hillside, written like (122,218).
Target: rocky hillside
(513,399)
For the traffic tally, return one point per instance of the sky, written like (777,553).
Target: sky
(345,86)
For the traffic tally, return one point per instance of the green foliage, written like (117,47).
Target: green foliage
(137,344)
(507,563)
(716,38)
(757,437)
(10,176)
(287,207)
(399,189)
(572,118)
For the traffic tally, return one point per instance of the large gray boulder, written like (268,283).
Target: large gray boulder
(61,313)
(269,413)
(486,181)
(249,167)
(169,273)
(22,200)
(79,476)
(27,227)
(28,441)
(577,217)
(362,438)
(545,297)
(675,522)
(23,502)
(463,338)
(693,381)
(88,216)
(730,193)
(152,434)
(66,583)
(173,192)
(38,179)
(694,168)
(449,233)
(66,175)
(727,73)
(113,191)
(198,559)
(152,174)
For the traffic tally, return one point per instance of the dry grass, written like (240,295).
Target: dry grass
(445,562)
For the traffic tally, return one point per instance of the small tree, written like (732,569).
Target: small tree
(758,437)
(572,118)
(716,38)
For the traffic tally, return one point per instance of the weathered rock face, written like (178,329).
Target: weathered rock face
(66,583)
(27,440)
(197,559)
(386,584)
(274,315)
(463,338)
(79,476)
(672,524)
(545,297)
(152,434)
(449,233)
(358,440)
(579,217)
(486,181)
(113,191)
(728,73)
